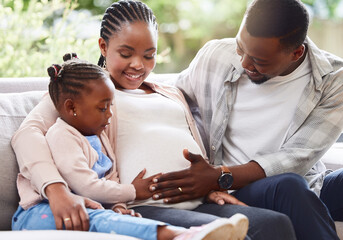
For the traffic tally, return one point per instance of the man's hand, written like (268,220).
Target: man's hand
(222,198)
(142,185)
(194,182)
(69,209)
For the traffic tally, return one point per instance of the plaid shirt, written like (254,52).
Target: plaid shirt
(210,86)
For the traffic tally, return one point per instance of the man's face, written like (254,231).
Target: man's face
(263,58)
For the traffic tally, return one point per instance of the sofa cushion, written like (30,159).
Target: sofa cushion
(13,109)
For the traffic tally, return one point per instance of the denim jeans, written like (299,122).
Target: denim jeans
(263,224)
(289,194)
(332,194)
(40,217)
(278,206)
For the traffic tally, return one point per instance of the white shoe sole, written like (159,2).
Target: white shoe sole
(233,228)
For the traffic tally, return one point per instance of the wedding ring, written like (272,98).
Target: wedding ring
(180,189)
(66,219)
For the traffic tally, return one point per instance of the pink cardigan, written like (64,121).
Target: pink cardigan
(37,168)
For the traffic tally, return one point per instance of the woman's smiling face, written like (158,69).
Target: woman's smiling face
(130,54)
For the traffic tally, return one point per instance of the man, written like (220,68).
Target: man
(271,104)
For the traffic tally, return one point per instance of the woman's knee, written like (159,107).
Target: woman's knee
(281,226)
(271,225)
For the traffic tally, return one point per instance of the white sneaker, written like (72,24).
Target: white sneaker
(233,228)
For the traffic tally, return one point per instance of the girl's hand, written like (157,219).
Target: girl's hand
(222,198)
(121,210)
(142,185)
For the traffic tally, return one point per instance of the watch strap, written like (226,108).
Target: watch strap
(225,169)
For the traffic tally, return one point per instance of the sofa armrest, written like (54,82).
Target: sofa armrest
(333,158)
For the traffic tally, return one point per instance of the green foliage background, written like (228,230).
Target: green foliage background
(31,39)
(29,43)
(36,33)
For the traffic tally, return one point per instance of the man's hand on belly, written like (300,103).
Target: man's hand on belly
(194,182)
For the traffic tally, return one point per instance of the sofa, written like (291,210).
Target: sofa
(17,97)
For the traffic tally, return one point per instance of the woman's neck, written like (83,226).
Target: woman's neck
(143,87)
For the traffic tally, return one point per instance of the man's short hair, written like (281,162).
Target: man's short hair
(284,19)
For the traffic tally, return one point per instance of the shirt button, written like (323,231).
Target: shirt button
(213,148)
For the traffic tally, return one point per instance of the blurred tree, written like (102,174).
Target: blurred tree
(185,25)
(35,33)
(327,9)
(326,27)
(95,6)
(31,38)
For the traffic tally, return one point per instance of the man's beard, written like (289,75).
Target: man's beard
(260,81)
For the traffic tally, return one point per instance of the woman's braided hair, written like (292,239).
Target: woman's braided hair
(124,11)
(71,78)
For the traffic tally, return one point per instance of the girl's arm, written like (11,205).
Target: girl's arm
(74,158)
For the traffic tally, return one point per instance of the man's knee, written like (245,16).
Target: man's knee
(291,181)
(335,177)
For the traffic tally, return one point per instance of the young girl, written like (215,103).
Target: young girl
(151,125)
(82,93)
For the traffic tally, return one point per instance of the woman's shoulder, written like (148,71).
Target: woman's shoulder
(161,86)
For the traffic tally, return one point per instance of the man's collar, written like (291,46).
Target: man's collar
(319,61)
(237,67)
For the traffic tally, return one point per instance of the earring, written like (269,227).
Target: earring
(104,64)
(74,114)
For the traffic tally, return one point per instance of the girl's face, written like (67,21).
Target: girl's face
(93,109)
(130,54)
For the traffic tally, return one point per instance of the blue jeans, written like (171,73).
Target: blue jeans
(40,217)
(332,194)
(263,224)
(289,194)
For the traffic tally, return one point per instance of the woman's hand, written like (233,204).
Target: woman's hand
(124,211)
(194,182)
(142,185)
(222,198)
(69,209)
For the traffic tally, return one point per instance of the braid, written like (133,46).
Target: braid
(71,78)
(53,85)
(124,11)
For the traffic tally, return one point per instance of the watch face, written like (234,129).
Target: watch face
(225,181)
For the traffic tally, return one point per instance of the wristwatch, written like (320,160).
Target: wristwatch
(225,180)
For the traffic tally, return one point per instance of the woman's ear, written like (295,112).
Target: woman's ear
(103,46)
(69,107)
